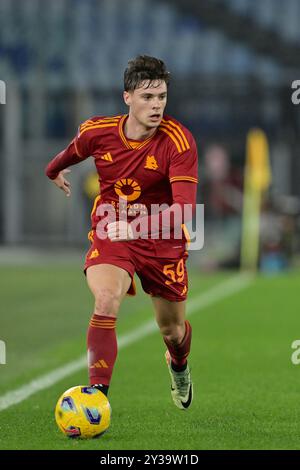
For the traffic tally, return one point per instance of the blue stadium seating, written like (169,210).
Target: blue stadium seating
(86,43)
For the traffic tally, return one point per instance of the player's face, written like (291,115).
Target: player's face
(147,103)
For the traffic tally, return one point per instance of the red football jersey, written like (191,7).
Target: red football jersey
(141,173)
(160,170)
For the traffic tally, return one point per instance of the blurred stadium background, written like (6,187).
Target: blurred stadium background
(232,63)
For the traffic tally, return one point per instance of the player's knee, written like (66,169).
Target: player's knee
(107,301)
(173,333)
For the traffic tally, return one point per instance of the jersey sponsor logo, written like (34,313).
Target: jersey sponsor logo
(128,189)
(107,156)
(151,163)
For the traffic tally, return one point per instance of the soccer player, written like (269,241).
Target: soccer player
(142,158)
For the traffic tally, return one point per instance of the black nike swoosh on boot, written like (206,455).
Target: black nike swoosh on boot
(187,403)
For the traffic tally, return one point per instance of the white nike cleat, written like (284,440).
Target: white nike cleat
(181,385)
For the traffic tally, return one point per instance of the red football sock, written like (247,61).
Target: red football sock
(102,348)
(179,352)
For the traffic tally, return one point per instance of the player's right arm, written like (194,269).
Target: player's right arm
(78,150)
(61,182)
(57,168)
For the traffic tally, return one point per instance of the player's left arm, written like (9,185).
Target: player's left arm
(184,198)
(183,176)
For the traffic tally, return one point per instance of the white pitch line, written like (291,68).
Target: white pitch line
(203,300)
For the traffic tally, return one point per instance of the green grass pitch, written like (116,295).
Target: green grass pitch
(246,387)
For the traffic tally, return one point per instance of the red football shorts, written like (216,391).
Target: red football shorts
(160,264)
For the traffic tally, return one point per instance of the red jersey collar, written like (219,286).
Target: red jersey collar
(127,141)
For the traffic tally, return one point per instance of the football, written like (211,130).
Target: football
(83,412)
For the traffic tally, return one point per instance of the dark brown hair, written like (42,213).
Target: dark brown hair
(142,68)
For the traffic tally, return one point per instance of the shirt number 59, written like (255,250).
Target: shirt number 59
(174,272)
